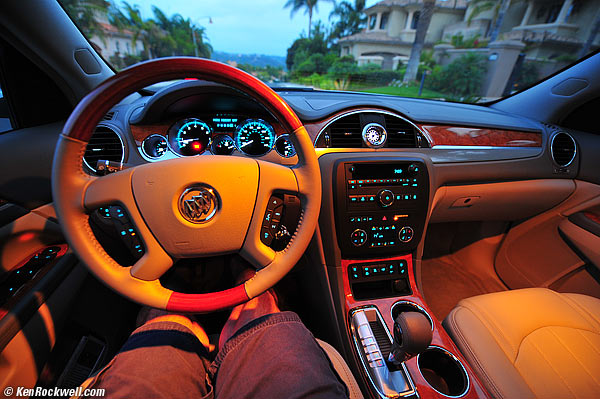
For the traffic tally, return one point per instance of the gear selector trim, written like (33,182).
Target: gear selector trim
(388,384)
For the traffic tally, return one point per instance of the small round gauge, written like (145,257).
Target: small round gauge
(222,145)
(254,137)
(154,146)
(374,135)
(284,146)
(189,137)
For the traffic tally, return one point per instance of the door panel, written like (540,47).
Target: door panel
(551,251)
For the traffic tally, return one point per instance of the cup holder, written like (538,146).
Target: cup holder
(443,372)
(407,306)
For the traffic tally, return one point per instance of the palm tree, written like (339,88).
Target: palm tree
(84,15)
(351,18)
(309,5)
(132,20)
(498,6)
(415,53)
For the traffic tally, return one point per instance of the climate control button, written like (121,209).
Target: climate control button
(386,198)
(406,234)
(358,237)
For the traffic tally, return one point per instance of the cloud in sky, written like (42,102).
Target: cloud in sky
(243,26)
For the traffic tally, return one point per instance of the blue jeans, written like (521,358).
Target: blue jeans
(274,356)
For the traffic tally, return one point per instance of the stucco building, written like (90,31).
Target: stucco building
(549,28)
(391,27)
(115,42)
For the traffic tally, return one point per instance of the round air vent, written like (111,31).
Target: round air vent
(563,149)
(105,144)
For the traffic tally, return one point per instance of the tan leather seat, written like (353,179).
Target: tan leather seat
(531,343)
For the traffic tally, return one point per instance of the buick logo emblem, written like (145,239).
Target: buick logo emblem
(198,204)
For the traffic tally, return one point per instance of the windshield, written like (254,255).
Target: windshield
(451,50)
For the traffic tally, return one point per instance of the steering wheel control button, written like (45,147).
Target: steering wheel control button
(271,223)
(265,236)
(358,237)
(112,221)
(386,198)
(198,204)
(406,234)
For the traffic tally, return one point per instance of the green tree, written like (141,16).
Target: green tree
(84,13)
(175,36)
(130,18)
(461,78)
(499,8)
(415,53)
(309,7)
(303,47)
(351,18)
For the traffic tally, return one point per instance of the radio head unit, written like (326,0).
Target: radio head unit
(381,206)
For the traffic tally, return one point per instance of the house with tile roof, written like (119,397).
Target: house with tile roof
(391,28)
(115,42)
(549,28)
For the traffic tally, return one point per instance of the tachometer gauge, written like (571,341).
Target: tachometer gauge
(154,146)
(284,146)
(255,137)
(222,145)
(189,137)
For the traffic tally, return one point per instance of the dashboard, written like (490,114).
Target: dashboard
(196,118)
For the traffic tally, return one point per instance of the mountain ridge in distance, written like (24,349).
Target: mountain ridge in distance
(258,60)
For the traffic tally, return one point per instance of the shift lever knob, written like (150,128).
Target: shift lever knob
(412,335)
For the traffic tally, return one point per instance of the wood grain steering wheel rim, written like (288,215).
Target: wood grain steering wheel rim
(149,193)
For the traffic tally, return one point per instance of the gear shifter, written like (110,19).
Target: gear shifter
(412,335)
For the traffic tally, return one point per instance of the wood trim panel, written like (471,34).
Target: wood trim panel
(471,136)
(440,337)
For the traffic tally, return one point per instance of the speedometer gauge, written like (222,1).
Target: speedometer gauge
(189,137)
(255,137)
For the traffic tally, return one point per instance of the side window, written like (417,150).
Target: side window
(29,96)
(5,123)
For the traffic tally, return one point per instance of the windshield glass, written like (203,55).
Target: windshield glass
(451,50)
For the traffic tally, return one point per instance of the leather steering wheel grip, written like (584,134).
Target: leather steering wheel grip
(75,192)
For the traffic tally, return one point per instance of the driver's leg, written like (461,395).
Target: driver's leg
(164,358)
(266,353)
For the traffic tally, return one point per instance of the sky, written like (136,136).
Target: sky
(243,26)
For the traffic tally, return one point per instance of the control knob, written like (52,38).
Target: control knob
(406,234)
(358,237)
(386,198)
(413,169)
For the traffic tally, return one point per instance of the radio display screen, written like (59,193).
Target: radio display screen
(379,171)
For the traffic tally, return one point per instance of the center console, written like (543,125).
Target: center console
(372,224)
(381,206)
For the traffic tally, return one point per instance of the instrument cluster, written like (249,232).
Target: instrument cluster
(219,134)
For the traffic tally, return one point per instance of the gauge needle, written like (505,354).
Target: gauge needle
(248,143)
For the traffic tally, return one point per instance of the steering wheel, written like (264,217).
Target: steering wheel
(233,190)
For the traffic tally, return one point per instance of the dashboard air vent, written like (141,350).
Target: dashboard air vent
(346,132)
(105,144)
(401,134)
(563,149)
